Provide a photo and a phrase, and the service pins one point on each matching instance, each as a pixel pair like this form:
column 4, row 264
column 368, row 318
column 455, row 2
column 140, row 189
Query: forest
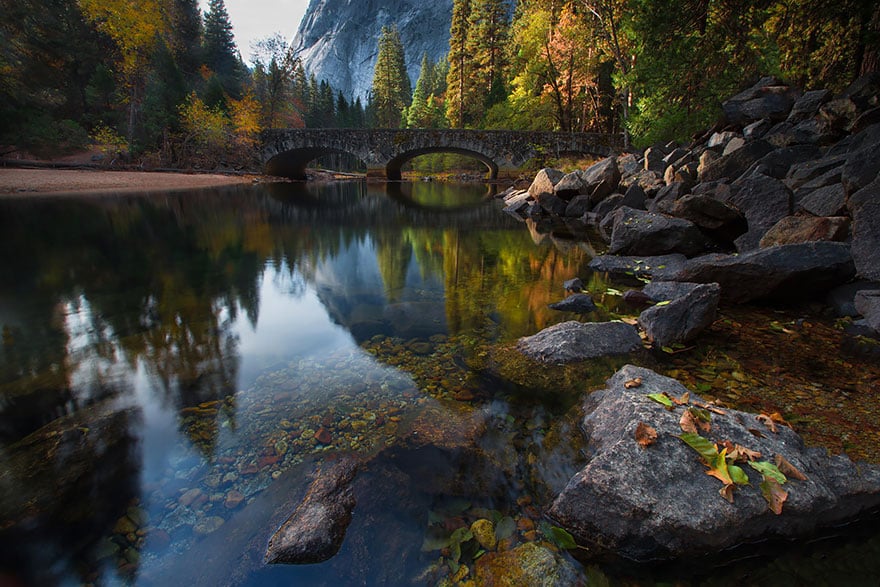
column 160, row 83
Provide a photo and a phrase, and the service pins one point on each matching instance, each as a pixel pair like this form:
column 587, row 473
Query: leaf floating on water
column 788, row 469
column 774, row 494
column 663, row 399
column 645, row 435
column 769, row 471
column 637, row 382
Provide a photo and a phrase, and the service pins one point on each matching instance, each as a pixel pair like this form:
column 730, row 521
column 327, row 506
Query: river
column 175, row 366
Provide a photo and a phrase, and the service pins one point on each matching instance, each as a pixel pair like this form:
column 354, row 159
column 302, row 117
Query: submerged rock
column 317, row 527
column 527, row 564
column 657, row 502
column 570, row 342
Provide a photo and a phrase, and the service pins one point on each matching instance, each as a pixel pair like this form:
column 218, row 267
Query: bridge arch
column 394, row 166
column 293, row 163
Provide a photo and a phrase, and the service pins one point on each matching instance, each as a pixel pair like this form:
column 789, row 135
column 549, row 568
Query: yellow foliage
column 133, row 25
column 245, row 115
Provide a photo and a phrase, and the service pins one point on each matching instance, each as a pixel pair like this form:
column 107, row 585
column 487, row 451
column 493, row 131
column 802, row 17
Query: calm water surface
column 174, row 367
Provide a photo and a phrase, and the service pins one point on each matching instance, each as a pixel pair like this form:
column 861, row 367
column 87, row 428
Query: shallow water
column 174, row 368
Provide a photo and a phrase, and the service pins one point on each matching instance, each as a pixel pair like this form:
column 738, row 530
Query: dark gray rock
column 807, row 106
column 719, row 220
column 629, row 165
column 609, row 204
column 570, row 342
column 766, row 99
column 634, row 197
column 315, row 530
column 553, row 205
column 581, row 303
column 544, row 182
column 842, row 298
column 689, row 311
column 803, row 229
column 574, row 285
column 735, row 164
column 655, row 267
column 864, row 89
column 666, row 197
column 777, row 162
column 763, row 200
column 867, row 303
column 569, row 186
column 645, row 233
column 601, row 179
column 785, row 272
column 654, row 159
column 666, row 291
column 658, row 502
column 865, row 207
column 578, row 206
column 801, row 173
column 719, row 140
column 861, row 168
column 757, row 129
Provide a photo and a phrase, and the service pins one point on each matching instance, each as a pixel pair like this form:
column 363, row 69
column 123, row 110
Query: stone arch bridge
column 286, row 153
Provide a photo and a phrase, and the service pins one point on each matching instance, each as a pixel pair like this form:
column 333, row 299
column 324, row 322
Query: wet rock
column 636, row 298
column 766, row 99
column 323, row 436
column 208, row 525
column 315, row 530
column 658, row 502
column 782, row 272
column 125, row 525
column 571, row 342
column 484, row 532
column 574, row 285
column 646, row 233
column 654, row 266
column 527, row 564
column 233, row 499
column 189, row 497
column 804, row 229
column 867, row 303
column 580, row 302
column 691, row 309
column 552, row 204
column 578, row 206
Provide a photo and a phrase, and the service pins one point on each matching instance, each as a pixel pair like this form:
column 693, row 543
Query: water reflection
column 200, row 345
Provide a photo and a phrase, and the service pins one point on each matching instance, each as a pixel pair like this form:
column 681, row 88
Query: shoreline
column 23, row 182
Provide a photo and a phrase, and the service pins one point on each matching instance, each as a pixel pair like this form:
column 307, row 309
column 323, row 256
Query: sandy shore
column 19, row 182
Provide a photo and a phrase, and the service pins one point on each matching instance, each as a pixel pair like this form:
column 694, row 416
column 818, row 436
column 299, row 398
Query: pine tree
column 391, row 90
column 457, row 80
column 220, row 53
column 416, row 112
column 186, row 36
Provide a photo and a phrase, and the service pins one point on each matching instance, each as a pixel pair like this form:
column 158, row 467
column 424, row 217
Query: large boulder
column 807, row 106
column 637, row 232
column 735, row 164
column 766, row 99
column 783, row 272
column 865, row 207
column 544, row 182
column 684, row 311
column 718, row 219
column 863, row 161
column 653, row 499
column 569, row 186
column 825, row 201
column 528, row 564
column 763, row 200
column 804, row 229
column 570, row 342
column 600, row 179
column 315, row 530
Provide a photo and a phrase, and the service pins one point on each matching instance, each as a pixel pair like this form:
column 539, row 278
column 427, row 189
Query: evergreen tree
column 457, row 79
column 220, row 53
column 391, row 90
column 487, row 39
column 186, row 36
column 428, row 108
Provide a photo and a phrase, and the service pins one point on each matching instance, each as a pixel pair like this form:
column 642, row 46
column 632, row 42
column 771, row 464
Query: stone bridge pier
column 287, row 153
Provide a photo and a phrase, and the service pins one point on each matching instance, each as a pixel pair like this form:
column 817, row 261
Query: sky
column 253, row 20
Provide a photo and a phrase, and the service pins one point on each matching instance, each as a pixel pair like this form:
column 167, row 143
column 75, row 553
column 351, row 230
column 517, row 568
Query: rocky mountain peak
column 337, row 40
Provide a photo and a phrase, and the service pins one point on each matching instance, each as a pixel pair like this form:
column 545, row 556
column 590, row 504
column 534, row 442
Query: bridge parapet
column 384, row 151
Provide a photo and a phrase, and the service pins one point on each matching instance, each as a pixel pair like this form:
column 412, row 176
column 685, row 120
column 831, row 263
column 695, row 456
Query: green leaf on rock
column 738, row 475
column 663, row 303
column 768, row 470
column 662, row 398
column 705, row 447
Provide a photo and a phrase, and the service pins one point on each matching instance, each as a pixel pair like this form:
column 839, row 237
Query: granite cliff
column 337, row 39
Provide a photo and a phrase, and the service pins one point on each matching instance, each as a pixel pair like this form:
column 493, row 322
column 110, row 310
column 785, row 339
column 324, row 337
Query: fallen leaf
column 756, row 432
column 630, row 321
column 683, row 400
column 777, row 417
column 741, row 453
column 663, row 399
column 637, row 382
column 788, row 469
column 767, row 421
column 768, row 470
column 687, row 423
column 727, row 492
column 774, row 494
column 645, row 435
